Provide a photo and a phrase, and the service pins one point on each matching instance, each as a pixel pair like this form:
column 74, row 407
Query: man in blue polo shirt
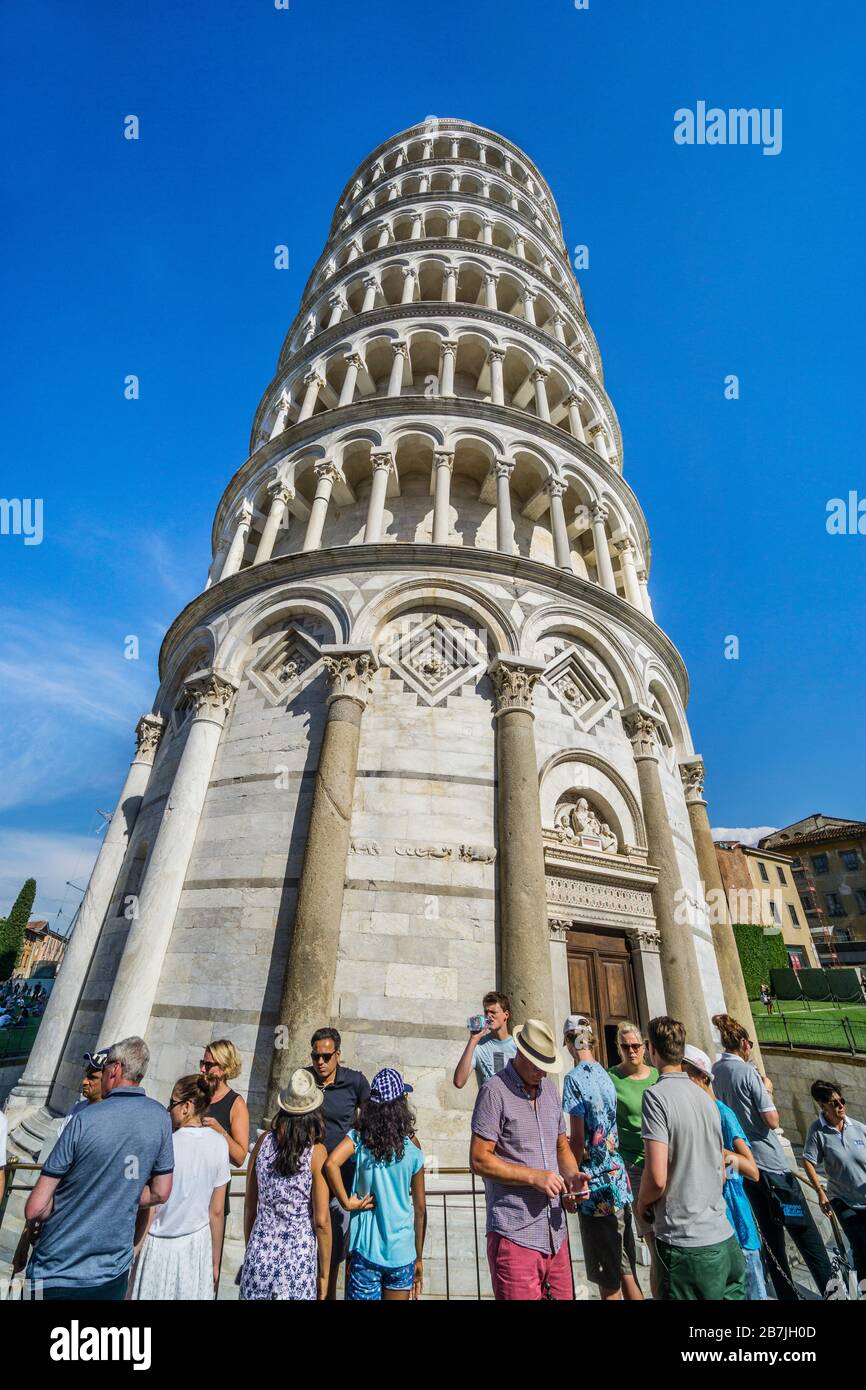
column 110, row 1161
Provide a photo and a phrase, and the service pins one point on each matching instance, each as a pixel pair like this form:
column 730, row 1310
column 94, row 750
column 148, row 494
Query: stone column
column 496, row 357
column 524, row 933
column 308, row 983
column 561, row 548
column 137, row 979
column 408, row 286
column 529, row 306
column 487, row 230
column 679, row 961
column 354, row 252
column 520, row 247
column 450, row 284
column 401, row 353
column 490, row 283
column 575, row 423
column 599, row 441
column 371, row 289
column 503, row 470
column 442, row 464
column 449, row 358
column 724, row 942
column 559, row 327
column 538, row 378
column 384, row 238
column 35, row 1084
column 424, row 183
column 218, row 563
column 354, row 363
column 327, row 475
column 645, row 945
column 453, row 224
column 382, row 465
column 234, row 559
column 281, row 495
column 629, row 571
column 281, row 415
column 338, row 308
column 417, row 226
column 314, row 384
column 644, row 594
column 603, row 565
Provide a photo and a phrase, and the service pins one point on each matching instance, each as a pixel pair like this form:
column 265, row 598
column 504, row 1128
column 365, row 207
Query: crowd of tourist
column 21, row 1002
column 666, row 1149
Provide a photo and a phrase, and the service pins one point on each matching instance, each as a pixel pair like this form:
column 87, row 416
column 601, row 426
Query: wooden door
column 601, row 985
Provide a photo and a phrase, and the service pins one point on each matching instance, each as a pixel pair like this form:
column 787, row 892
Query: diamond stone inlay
column 435, row 658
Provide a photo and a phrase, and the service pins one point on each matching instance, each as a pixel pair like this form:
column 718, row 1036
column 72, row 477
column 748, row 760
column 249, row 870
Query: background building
column 41, row 947
column 761, row 890
column 419, row 735
column 829, row 858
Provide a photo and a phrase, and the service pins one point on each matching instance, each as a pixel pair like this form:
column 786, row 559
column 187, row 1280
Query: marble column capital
column 539, row 374
column 371, row 282
column 443, row 458
column 400, row 347
column 514, row 680
column 645, row 939
column 641, row 725
column 692, row 773
column 624, row 545
column 280, row 491
column 503, row 468
column 555, row 487
column 600, row 512
column 314, row 379
column 326, row 470
column 211, row 694
column 148, row 732
column 381, row 459
column 596, row 429
column 559, row 928
column 496, row 354
column 354, row 359
column 491, row 277
column 409, row 272
column 573, row 398
column 350, row 672
column 337, row 298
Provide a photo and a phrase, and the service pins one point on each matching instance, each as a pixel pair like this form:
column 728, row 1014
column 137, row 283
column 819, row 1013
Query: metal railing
column 17, row 1175
column 831, row 1035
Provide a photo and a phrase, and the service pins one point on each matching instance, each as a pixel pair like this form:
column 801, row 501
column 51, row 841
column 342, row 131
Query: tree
column 13, row 927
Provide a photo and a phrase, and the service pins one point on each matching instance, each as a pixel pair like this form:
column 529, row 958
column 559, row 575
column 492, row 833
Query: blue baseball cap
column 387, row 1084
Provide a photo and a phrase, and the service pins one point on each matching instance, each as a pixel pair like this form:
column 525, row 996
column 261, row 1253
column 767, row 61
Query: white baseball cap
column 699, row 1060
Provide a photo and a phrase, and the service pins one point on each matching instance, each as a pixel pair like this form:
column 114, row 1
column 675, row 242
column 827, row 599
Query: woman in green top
column 631, row 1078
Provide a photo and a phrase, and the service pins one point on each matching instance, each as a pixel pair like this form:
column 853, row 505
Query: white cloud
column 750, row 835
column 69, row 700
column 51, row 860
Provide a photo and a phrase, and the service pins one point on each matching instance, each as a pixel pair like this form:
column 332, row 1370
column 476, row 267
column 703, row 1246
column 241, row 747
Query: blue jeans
column 756, row 1288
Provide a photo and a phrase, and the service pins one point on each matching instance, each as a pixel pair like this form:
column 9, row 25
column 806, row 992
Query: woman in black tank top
column 227, row 1112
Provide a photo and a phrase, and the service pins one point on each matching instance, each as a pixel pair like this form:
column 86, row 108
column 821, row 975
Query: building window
column 835, row 906
column 843, row 934
column 850, row 858
column 860, row 895
column 796, row 953
column 792, row 913
column 820, row 864
column 775, row 911
column 781, row 872
column 762, row 870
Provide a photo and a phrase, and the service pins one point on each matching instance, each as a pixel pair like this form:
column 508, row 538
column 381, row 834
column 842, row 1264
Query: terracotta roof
column 851, row 830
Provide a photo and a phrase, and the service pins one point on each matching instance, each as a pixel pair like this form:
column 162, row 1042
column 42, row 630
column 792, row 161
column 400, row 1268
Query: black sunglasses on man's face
column 322, row 1056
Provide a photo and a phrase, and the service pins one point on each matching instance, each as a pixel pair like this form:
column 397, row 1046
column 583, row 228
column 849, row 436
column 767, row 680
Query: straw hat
column 536, row 1042
column 301, row 1095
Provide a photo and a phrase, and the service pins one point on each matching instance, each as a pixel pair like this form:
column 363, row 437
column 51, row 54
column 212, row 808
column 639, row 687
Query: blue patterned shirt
column 588, row 1091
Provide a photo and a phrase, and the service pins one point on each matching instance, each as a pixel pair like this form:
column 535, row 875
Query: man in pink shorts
column 520, row 1149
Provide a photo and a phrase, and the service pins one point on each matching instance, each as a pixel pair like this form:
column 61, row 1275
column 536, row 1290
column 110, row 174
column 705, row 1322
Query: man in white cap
column 519, row 1147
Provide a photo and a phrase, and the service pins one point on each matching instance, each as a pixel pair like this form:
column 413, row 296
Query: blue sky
column 155, row 257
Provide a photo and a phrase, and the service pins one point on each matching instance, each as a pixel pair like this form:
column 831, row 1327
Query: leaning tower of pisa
column 419, row 735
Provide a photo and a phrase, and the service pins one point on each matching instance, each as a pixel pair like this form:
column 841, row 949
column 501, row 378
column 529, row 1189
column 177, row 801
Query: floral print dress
column 589, row 1091
column 282, row 1255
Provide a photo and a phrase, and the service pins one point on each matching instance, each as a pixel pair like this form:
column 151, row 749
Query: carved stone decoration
column 476, row 854
column 366, row 847
column 577, row 687
column 607, row 901
column 435, row 658
column 423, row 851
column 514, row 683
column 148, row 732
column 350, row 673
column 641, row 726
column 281, row 666
column 576, row 823
column 211, row 695
column 646, row 939
column 692, row 773
column 559, row 929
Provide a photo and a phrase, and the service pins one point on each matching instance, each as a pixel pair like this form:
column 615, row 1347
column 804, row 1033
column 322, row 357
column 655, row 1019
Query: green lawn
column 838, row 1027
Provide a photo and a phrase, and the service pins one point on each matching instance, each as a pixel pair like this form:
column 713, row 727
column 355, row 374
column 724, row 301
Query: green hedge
column 761, row 950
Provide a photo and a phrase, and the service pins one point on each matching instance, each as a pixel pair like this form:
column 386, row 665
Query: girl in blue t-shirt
column 387, row 1204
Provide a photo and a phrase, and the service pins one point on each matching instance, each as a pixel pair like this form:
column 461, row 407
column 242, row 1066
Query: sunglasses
column 631, row 1047
column 206, row 1066
column 837, row 1104
column 322, row 1056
